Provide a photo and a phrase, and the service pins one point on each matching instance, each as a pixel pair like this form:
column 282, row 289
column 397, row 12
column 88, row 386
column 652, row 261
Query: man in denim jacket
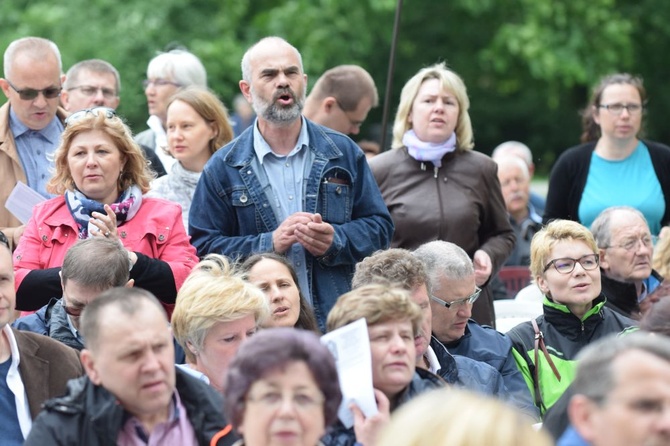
column 290, row 186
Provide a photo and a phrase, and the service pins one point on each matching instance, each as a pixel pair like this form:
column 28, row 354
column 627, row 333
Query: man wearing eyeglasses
column 453, row 291
column 33, row 368
column 91, row 83
column 626, row 247
column 96, row 83
column 342, row 98
column 30, row 121
column 90, row 267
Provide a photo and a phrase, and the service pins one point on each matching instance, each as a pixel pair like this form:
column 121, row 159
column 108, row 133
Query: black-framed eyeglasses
column 648, row 241
column 460, row 302
column 90, row 90
column 353, row 122
column 3, row 239
column 158, row 83
column 566, row 265
column 95, row 111
column 72, row 311
column 618, row 108
column 29, row 94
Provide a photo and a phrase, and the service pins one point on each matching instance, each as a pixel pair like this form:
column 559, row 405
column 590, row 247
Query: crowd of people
column 172, row 285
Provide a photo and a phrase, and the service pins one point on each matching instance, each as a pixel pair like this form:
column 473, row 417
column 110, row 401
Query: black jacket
column 422, row 381
column 622, row 296
column 90, row 415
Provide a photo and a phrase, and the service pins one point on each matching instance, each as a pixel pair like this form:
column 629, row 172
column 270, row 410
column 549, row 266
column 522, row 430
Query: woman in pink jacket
column 101, row 175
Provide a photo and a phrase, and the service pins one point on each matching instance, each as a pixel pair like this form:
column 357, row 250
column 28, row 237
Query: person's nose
column 99, row 98
column 91, row 159
column 287, row 407
column 40, row 100
column 151, row 362
column 275, row 294
column 398, row 345
column 355, row 129
column 465, row 310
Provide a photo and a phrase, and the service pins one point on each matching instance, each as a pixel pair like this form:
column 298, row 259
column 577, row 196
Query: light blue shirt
column 286, row 177
column 628, row 182
column 36, row 150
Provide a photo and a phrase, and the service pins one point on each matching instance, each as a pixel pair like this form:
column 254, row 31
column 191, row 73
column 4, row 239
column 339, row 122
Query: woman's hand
column 106, row 223
column 483, row 267
column 367, row 429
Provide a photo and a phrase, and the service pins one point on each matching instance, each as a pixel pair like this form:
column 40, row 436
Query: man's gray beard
column 275, row 113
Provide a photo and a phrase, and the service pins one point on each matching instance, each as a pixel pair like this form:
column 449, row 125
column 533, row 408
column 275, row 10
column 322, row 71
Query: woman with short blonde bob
column 564, row 264
column 101, row 176
column 452, row 417
column 436, row 187
column 215, row 312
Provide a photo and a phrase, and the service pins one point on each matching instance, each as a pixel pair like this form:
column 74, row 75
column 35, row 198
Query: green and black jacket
column 564, row 336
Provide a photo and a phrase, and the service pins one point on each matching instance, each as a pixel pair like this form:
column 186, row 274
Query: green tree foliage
column 528, row 64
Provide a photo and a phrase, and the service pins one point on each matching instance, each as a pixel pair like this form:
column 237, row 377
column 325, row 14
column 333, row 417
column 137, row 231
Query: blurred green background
column 529, row 64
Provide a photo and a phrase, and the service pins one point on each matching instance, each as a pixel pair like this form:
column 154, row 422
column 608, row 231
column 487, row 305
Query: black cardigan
column 569, row 174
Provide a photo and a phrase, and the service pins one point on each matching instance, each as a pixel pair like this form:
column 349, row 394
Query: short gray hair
column 444, row 259
column 595, row 374
column 246, row 59
column 96, row 263
column 37, row 47
column 508, row 147
column 95, row 66
column 601, row 228
column 181, row 66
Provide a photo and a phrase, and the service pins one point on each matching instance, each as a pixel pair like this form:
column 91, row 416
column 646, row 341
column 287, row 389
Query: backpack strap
column 539, row 345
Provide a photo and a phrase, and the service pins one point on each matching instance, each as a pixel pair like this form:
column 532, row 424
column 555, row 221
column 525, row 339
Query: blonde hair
column 377, row 303
column 452, row 417
column 661, row 262
column 212, row 293
column 556, row 231
column 206, row 104
column 449, row 81
column 135, row 170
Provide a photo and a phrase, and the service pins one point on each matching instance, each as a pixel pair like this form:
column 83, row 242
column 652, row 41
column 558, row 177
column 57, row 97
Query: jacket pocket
column 335, row 196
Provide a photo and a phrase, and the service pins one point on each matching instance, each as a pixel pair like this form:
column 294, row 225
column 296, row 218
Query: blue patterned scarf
column 82, row 207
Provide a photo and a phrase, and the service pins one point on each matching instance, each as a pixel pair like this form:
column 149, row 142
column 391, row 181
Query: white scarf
column 428, row 151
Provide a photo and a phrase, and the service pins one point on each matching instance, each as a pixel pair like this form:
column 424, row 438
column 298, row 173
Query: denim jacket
column 231, row 214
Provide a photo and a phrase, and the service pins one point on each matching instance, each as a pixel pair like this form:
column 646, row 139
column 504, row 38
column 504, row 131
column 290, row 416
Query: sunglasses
column 29, row 94
column 95, row 111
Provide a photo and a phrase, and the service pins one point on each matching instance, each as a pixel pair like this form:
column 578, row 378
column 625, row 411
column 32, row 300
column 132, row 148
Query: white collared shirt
column 15, row 384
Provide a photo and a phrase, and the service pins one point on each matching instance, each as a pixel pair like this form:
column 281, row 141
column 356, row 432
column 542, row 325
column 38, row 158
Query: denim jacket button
column 243, row 198
column 338, row 190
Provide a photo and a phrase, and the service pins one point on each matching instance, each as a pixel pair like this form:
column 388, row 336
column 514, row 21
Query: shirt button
column 290, row 197
column 288, row 164
column 123, row 234
column 161, row 238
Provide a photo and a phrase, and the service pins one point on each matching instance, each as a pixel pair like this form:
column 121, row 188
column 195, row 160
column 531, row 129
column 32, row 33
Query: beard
column 276, row 113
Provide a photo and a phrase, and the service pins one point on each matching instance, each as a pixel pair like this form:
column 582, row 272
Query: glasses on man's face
column 29, row 94
column 158, row 83
column 455, row 304
column 352, row 122
column 273, row 399
column 629, row 244
column 89, row 90
column 3, row 239
column 74, row 310
column 566, row 265
column 95, row 111
column 617, row 108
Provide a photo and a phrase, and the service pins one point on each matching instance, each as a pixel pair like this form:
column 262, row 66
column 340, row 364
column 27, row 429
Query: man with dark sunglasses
column 33, row 368
column 31, row 121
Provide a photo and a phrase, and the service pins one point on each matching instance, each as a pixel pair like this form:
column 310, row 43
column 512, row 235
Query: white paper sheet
column 350, row 346
column 22, row 200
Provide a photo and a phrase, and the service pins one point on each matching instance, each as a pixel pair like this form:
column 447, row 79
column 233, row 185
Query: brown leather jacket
column 459, row 202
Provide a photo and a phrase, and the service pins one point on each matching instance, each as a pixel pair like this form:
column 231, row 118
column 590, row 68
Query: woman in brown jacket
column 436, row 187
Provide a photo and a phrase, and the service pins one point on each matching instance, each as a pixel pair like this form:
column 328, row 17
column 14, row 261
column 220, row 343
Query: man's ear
column 542, row 285
column 88, row 361
column 65, row 99
column 5, row 86
column 329, row 103
column 130, row 283
column 582, row 413
column 604, row 261
column 245, row 88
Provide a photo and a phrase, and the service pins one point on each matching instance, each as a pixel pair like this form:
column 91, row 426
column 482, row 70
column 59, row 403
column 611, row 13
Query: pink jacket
column 156, row 231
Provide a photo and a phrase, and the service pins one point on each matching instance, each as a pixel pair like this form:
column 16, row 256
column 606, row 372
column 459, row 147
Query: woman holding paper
column 282, row 388
column 100, row 177
column 393, row 321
